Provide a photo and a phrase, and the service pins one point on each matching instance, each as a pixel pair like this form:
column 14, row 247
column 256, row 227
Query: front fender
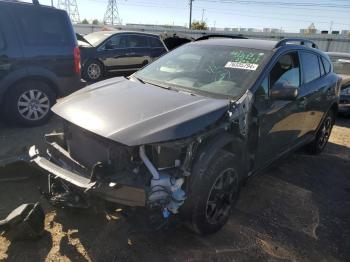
column 221, row 141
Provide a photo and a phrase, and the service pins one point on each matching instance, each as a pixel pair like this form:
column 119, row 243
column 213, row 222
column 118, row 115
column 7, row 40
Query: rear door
column 311, row 98
column 157, row 47
column 138, row 50
column 10, row 50
column 280, row 121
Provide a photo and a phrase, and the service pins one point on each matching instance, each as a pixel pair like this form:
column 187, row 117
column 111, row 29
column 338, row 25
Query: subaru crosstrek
column 181, row 136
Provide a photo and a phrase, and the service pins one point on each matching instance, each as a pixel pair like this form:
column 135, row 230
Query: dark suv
column 122, row 51
column 39, row 60
column 184, row 133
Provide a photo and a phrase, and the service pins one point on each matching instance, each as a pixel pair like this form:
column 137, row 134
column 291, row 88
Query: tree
column 199, row 25
column 95, row 22
column 86, row 22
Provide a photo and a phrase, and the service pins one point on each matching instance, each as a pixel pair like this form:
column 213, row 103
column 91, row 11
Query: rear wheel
column 213, row 194
column 28, row 103
column 323, row 134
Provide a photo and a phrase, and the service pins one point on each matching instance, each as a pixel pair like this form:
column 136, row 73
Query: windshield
column 97, row 38
column 223, row 71
column 341, row 65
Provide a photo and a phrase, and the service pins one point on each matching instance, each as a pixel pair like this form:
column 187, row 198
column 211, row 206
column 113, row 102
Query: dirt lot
column 298, row 210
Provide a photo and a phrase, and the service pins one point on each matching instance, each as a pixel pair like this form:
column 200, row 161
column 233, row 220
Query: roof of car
column 112, row 32
column 347, row 55
column 16, row 2
column 246, row 43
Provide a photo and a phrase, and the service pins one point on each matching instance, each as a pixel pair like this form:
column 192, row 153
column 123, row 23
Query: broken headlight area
column 83, row 166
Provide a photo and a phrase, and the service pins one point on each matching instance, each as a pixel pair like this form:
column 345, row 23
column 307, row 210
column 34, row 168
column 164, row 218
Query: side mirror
column 109, row 46
column 284, row 92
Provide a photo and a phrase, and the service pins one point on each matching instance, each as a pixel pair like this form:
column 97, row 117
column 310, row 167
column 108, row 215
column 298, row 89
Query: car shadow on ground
column 297, row 210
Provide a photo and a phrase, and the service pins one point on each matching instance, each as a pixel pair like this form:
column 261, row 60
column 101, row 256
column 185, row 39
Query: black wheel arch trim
column 208, row 150
column 32, row 73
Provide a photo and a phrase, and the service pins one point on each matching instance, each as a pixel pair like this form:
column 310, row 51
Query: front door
column 113, row 52
column 280, row 121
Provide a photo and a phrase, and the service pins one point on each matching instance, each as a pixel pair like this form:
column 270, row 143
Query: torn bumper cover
column 61, row 165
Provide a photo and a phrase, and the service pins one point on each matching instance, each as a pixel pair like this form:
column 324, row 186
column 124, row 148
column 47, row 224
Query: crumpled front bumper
column 61, row 165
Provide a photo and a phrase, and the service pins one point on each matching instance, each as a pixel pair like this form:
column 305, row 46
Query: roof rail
column 206, row 37
column 302, row 41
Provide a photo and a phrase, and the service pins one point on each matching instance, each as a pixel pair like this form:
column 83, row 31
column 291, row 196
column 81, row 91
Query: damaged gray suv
column 182, row 135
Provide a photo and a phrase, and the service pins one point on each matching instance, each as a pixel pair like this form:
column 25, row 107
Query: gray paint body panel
column 133, row 113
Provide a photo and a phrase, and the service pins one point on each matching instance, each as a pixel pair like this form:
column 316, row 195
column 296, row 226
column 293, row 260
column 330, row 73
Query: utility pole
column 52, row 3
column 331, row 27
column 203, row 10
column 190, row 24
column 112, row 14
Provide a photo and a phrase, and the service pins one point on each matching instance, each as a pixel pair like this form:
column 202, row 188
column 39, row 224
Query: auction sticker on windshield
column 239, row 65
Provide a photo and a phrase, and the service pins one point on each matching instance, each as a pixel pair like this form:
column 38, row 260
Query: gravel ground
column 298, row 210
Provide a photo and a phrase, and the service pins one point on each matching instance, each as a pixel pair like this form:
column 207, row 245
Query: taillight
column 77, row 65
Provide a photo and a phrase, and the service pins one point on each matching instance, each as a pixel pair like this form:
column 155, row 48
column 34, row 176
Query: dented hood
column 133, row 113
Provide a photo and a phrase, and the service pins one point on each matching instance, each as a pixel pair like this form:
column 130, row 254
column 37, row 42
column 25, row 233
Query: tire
column 28, row 103
column 201, row 212
column 93, row 71
column 323, row 134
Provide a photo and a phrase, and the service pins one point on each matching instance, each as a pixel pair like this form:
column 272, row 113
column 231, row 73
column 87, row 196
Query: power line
column 289, row 4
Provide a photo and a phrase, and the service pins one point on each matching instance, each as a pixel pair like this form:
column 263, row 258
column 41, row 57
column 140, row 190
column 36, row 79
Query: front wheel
column 93, row 71
column 323, row 134
column 213, row 194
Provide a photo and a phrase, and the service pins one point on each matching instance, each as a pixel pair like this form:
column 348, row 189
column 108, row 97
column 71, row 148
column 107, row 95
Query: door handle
column 129, row 54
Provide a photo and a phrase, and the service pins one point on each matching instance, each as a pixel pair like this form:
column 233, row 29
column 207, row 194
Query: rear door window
column 135, row 41
column 311, row 67
column 42, row 26
column 327, row 65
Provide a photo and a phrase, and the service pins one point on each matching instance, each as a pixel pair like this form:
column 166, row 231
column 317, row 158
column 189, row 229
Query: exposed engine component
column 165, row 190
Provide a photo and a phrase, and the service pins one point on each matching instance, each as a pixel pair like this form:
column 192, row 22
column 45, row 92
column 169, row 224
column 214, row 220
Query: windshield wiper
column 138, row 79
column 159, row 85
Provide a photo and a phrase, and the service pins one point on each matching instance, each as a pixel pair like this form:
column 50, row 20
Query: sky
column 281, row 14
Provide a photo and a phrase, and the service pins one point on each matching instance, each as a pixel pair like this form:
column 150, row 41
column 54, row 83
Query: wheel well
column 32, row 78
column 98, row 61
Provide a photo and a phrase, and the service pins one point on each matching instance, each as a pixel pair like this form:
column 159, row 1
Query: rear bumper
column 68, row 85
column 62, row 166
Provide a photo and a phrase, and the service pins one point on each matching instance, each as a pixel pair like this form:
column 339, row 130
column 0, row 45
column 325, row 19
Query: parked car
column 341, row 64
column 122, row 51
column 39, row 60
column 181, row 135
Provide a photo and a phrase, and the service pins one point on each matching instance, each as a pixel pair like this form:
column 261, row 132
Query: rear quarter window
column 327, row 65
column 43, row 27
column 311, row 67
column 155, row 42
